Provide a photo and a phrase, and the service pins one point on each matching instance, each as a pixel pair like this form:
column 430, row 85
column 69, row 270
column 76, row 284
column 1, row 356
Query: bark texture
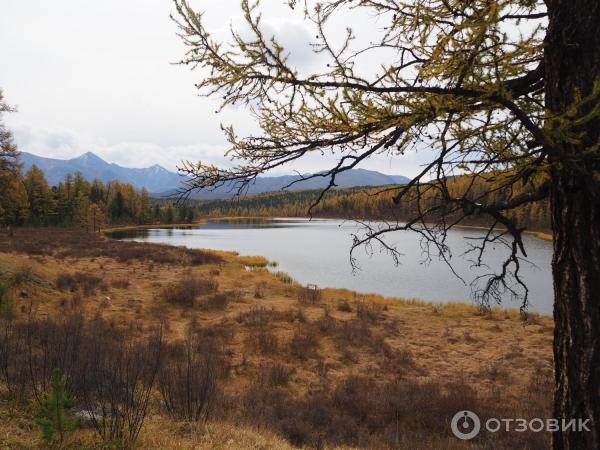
column 572, row 65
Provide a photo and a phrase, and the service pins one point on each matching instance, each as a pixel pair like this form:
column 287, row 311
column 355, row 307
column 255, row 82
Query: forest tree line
column 28, row 199
column 375, row 203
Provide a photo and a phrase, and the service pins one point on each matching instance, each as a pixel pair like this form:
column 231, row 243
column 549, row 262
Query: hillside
column 349, row 179
column 154, row 179
column 364, row 203
column 163, row 183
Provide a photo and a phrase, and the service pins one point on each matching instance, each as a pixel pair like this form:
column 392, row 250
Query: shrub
column 217, row 334
column 215, row 302
column 79, row 281
column 369, row 311
column 259, row 290
column 264, row 342
column 120, row 283
column 353, row 332
column 304, row 344
column 309, row 294
column 257, row 316
column 344, row 306
column 71, row 242
column 185, row 291
column 188, row 379
column 66, row 282
column 327, row 323
column 116, row 381
column 22, row 276
column 275, row 375
column 110, row 375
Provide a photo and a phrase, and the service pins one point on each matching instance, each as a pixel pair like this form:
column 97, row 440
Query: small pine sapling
column 53, row 421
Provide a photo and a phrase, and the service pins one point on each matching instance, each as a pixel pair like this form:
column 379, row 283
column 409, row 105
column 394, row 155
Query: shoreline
column 382, row 298
column 262, row 322
column 543, row 235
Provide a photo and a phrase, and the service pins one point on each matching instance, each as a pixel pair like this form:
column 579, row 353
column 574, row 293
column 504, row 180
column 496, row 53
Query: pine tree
column 169, row 214
column 145, row 212
column 40, row 196
column 117, row 207
column 53, row 420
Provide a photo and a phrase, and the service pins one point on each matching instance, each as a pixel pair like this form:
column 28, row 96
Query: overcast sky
column 98, row 76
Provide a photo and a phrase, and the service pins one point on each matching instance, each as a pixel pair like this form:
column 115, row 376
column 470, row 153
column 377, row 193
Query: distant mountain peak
column 157, row 168
column 160, row 181
column 91, row 166
column 88, row 156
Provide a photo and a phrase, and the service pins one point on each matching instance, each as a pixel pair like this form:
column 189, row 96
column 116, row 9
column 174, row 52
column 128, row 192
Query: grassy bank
column 313, row 368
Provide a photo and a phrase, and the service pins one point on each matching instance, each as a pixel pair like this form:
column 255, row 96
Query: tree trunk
column 572, row 65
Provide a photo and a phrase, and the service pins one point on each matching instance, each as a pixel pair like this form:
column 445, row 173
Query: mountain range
column 162, row 182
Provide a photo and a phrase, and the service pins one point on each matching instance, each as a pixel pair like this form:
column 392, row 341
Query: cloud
column 295, row 36
column 64, row 143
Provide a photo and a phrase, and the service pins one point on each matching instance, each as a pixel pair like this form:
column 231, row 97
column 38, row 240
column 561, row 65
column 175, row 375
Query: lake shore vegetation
column 216, row 350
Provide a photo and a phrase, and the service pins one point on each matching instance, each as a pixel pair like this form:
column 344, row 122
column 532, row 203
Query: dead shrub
column 65, row 281
column 257, row 316
column 216, row 334
column 73, row 242
column 22, row 276
column 304, row 343
column 85, row 282
column 344, row 306
column 110, row 375
column 291, row 315
column 188, row 378
column 309, row 294
column 398, row 359
column 120, row 283
column 116, row 382
column 259, row 290
column 184, row 291
column 215, row 302
column 370, row 311
column 275, row 375
column 353, row 333
column 326, row 324
column 264, row 342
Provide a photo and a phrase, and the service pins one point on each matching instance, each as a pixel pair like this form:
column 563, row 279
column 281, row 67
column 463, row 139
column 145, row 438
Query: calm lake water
column 317, row 252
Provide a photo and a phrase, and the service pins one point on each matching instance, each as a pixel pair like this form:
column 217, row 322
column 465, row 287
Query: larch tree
column 9, row 154
column 505, row 91
column 13, row 197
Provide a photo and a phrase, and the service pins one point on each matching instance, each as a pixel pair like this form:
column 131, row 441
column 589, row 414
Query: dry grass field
column 296, row 366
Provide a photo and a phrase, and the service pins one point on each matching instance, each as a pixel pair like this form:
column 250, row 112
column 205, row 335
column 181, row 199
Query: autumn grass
column 253, row 261
column 289, row 347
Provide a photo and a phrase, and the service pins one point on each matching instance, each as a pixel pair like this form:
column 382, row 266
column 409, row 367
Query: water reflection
column 318, row 252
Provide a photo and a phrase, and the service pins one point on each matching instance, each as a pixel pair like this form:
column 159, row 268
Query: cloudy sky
column 99, row 76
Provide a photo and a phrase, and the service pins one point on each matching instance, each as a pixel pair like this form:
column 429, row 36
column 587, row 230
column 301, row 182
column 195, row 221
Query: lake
column 317, row 252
